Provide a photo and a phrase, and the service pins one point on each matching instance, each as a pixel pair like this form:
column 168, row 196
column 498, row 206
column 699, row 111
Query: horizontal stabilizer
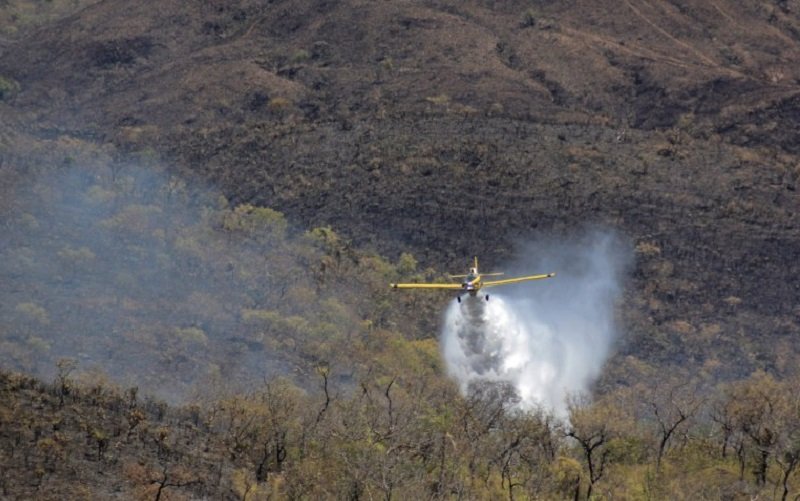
column 481, row 274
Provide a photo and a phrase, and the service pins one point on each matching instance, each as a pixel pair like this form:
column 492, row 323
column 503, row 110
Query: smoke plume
column 137, row 275
column 548, row 339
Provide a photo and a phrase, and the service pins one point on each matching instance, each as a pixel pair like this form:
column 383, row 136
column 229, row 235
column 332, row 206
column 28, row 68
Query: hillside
column 673, row 124
column 199, row 197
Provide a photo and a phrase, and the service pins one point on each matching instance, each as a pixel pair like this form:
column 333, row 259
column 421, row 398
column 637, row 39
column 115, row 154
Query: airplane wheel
column 458, row 298
column 487, row 297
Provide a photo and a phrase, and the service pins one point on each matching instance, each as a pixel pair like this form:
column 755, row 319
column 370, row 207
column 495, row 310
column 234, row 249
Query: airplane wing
column 425, row 286
column 518, row 279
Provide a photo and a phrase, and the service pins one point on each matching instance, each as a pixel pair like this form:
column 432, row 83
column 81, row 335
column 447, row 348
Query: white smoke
column 548, row 339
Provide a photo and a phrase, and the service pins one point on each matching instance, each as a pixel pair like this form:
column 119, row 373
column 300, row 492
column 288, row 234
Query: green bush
column 8, row 88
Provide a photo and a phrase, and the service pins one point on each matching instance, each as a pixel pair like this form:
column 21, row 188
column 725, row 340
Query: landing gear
column 487, row 297
column 458, row 298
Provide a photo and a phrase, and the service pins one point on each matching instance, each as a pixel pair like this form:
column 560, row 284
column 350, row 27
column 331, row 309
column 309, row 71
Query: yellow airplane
column 472, row 282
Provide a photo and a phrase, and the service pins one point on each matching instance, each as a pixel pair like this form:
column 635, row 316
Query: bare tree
column 593, row 426
column 672, row 406
column 787, row 445
column 176, row 477
column 757, row 405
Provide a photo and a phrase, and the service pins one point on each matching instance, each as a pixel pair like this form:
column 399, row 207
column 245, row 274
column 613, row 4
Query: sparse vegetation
column 529, row 18
column 355, row 145
column 8, row 88
column 405, row 435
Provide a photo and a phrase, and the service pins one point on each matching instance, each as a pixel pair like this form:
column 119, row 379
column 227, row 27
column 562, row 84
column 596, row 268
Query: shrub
column 300, row 55
column 8, row 88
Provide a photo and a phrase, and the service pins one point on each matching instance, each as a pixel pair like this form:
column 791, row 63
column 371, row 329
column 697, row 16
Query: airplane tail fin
column 486, row 274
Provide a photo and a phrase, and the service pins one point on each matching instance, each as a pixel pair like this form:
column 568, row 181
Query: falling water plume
column 548, row 339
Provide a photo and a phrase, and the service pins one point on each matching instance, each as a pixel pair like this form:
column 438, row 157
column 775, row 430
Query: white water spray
column 549, row 339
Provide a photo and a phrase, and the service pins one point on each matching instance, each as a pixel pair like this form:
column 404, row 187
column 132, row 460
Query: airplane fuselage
column 472, row 284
